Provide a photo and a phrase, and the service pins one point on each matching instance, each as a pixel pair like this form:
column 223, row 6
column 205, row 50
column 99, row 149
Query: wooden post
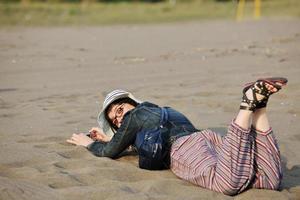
column 240, row 10
column 241, row 6
column 257, row 6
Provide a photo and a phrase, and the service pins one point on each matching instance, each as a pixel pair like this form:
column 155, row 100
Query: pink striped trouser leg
column 267, row 161
column 224, row 165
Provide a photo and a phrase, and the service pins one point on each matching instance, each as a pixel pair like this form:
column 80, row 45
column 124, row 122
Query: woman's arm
column 122, row 139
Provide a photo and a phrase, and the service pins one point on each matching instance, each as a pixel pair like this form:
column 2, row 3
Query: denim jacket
column 144, row 116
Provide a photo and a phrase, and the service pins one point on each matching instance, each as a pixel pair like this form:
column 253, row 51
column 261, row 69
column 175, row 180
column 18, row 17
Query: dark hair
column 118, row 102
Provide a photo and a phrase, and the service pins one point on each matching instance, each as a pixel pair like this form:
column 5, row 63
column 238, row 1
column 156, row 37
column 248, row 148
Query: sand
column 53, row 80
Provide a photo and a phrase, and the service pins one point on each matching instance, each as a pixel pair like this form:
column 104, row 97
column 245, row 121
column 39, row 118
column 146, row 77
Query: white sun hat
column 110, row 98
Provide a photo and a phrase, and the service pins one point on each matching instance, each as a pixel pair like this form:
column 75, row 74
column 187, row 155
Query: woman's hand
column 80, row 139
column 97, row 134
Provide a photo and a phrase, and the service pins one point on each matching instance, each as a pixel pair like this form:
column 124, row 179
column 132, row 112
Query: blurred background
column 105, row 12
column 59, row 58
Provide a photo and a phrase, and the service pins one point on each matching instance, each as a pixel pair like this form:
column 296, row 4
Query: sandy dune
column 53, row 80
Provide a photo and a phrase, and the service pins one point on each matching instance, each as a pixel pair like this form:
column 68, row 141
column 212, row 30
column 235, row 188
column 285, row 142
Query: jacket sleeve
column 123, row 138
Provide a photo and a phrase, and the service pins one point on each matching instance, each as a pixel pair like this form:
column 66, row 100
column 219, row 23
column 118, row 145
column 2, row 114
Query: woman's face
column 116, row 112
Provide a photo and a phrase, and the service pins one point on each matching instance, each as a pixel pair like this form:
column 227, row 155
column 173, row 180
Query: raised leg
column 267, row 156
column 260, row 120
column 245, row 156
column 229, row 165
column 243, row 119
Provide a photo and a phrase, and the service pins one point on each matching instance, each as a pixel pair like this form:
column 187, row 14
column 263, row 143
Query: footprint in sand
column 64, row 180
column 76, row 152
column 19, row 189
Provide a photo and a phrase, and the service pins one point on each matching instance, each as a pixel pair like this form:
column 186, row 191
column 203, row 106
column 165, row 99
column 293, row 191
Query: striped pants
column 242, row 159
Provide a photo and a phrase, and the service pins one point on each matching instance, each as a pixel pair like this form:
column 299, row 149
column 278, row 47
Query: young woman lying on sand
column 247, row 157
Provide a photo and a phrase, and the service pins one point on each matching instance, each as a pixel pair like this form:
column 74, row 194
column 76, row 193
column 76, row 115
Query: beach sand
column 54, row 79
